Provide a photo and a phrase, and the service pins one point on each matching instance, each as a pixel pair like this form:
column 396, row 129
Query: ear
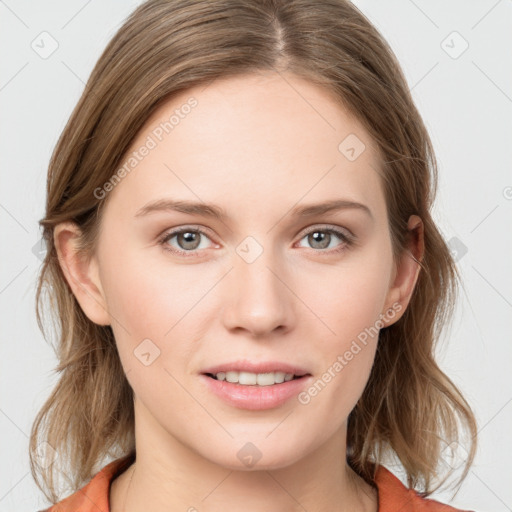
column 406, row 273
column 81, row 273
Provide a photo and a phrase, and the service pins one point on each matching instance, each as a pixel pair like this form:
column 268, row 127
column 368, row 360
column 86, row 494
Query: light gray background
column 466, row 101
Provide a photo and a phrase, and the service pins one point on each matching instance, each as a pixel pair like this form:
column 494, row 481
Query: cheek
column 349, row 302
column 160, row 302
column 146, row 293
column 152, row 329
column 350, row 297
column 140, row 301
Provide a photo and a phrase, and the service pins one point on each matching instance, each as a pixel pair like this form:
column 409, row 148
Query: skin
column 258, row 146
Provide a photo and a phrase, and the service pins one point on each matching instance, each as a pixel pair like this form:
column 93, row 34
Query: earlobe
column 407, row 271
column 81, row 274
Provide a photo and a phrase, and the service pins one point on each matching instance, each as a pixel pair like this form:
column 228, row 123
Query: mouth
column 255, row 391
column 255, row 379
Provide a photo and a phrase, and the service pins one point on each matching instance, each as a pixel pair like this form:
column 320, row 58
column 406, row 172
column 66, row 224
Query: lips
column 244, row 365
column 255, row 398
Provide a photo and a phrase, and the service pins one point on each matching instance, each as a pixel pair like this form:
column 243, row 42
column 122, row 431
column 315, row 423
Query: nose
column 257, row 297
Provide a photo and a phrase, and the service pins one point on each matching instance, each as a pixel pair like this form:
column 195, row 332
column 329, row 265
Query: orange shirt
column 393, row 495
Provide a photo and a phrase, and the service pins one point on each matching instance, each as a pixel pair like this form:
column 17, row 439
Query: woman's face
column 258, row 281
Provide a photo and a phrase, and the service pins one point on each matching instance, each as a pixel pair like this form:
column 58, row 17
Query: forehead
column 249, row 140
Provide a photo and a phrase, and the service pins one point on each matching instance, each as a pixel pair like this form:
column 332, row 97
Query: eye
column 187, row 238
column 319, row 240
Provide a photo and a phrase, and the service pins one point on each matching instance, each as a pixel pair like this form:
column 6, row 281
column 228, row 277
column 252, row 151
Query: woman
column 246, row 273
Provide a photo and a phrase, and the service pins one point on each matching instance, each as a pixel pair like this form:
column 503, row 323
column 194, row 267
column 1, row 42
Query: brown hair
column 409, row 407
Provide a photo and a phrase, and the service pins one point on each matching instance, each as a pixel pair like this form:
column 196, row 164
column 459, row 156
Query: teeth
column 252, row 379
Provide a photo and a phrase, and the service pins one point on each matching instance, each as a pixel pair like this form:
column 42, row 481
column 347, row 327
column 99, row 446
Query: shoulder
column 393, row 495
column 94, row 496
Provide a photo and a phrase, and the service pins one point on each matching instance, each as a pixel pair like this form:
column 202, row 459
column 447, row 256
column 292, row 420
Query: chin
column 250, row 456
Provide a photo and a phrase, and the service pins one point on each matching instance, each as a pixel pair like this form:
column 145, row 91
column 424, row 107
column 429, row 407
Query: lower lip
column 256, row 398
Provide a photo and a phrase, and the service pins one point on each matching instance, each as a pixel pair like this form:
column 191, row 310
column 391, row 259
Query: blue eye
column 189, row 239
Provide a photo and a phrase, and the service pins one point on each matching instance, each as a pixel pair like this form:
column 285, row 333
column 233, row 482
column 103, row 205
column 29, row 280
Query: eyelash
column 349, row 240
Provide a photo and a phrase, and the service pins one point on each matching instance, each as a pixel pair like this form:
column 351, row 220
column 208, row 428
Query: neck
column 168, row 475
column 156, row 485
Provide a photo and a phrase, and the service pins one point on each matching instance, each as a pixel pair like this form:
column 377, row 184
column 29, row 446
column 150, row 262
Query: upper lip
column 243, row 365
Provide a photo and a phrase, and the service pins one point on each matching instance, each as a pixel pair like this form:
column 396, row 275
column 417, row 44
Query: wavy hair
column 410, row 408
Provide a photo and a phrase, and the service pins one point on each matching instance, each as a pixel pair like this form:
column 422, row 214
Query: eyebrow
column 216, row 212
